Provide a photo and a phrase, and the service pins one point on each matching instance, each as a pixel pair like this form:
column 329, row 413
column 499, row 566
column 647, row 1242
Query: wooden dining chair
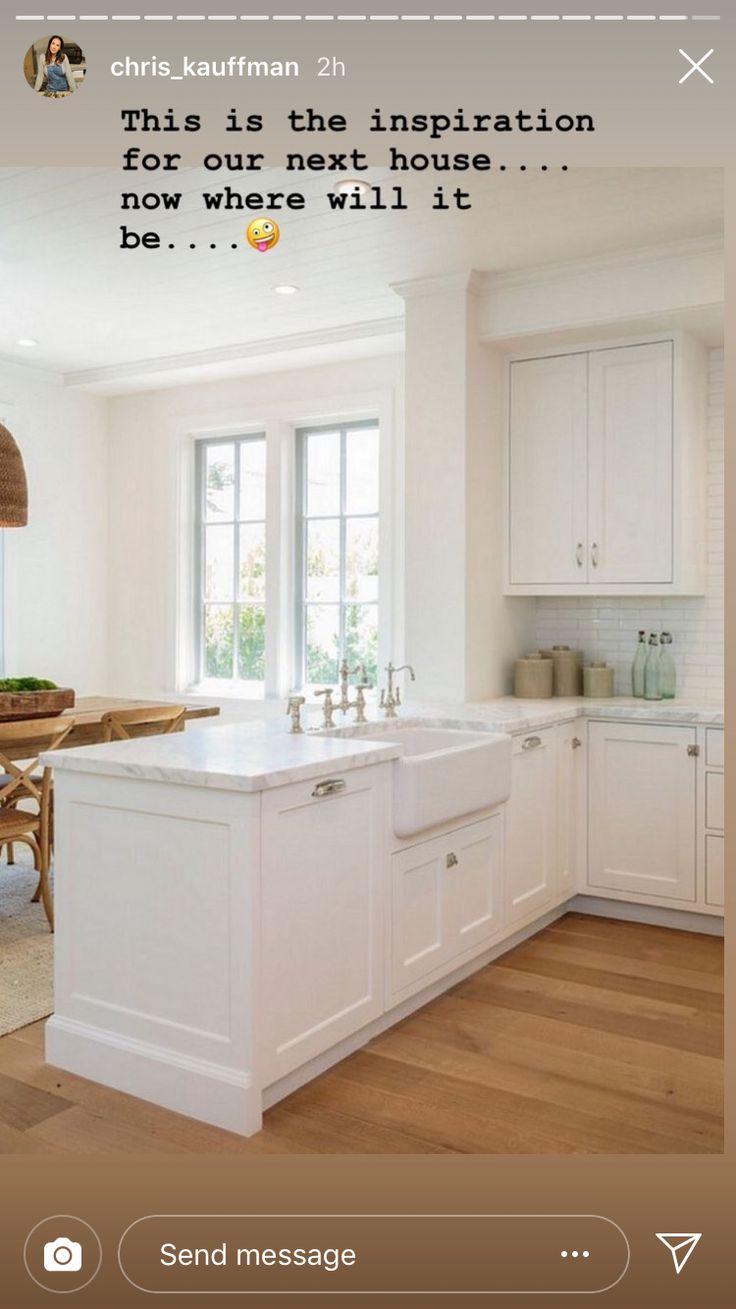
column 157, row 720
column 21, row 743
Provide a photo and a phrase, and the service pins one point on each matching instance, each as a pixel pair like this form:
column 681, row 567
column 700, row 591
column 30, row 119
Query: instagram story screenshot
column 365, row 615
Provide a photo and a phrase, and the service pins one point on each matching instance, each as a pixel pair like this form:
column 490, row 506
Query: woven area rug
column 26, row 950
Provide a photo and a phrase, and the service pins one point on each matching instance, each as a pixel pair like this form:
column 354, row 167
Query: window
column 231, row 558
column 337, row 542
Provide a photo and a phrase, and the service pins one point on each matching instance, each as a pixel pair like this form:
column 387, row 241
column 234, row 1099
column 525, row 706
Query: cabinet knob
column 576, row 743
column 693, row 750
column 451, row 860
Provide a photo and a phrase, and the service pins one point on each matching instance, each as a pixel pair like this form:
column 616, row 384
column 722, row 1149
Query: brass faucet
column 390, row 699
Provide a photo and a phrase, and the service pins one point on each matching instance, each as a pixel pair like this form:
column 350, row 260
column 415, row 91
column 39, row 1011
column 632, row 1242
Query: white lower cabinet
column 446, row 897
column 572, row 806
column 712, row 819
column 323, row 871
column 532, row 856
column 642, row 810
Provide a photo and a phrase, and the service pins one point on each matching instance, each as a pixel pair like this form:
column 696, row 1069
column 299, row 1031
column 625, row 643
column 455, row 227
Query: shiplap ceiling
column 90, row 305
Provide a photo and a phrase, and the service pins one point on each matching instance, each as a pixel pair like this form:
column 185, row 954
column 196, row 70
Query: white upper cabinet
column 547, row 463
column 605, row 471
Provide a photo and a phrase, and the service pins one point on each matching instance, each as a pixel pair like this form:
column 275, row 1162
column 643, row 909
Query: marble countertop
column 230, row 757
column 509, row 714
column 256, row 756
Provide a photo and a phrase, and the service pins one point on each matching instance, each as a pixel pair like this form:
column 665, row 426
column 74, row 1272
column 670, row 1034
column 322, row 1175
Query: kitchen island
column 235, row 910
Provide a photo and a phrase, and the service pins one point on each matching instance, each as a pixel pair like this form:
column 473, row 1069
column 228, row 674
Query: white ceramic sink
column 445, row 774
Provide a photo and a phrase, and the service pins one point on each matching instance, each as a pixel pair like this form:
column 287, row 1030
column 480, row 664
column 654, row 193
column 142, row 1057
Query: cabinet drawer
column 714, row 864
column 714, row 801
column 714, row 747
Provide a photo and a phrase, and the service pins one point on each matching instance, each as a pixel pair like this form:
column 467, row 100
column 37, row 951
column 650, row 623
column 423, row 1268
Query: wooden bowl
column 17, row 705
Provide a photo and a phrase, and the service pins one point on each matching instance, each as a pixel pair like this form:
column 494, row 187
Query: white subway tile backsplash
column 606, row 628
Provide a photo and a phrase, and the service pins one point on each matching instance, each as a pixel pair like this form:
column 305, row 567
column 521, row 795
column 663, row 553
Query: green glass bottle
column 667, row 676
column 637, row 668
column 652, row 688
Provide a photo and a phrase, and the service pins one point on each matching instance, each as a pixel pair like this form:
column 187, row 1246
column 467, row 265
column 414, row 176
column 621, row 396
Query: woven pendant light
column 13, row 485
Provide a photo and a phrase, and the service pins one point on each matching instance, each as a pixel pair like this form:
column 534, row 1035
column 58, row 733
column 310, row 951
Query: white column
column 461, row 633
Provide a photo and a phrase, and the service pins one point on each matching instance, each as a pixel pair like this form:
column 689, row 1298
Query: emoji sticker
column 263, row 234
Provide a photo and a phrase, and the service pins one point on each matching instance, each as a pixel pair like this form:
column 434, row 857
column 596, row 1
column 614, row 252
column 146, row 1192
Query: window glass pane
column 252, row 643
column 361, row 638
column 218, row 641
column 361, row 564
column 361, row 480
column 323, row 473
column 218, row 563
column 219, row 494
column 323, row 643
column 323, row 560
column 252, row 562
column 253, row 479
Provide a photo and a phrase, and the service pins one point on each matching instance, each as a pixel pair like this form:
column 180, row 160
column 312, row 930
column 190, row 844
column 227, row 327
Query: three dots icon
column 575, row 1254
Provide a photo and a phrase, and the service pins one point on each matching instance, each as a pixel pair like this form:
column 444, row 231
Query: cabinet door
column 571, row 806
column 321, row 956
column 446, row 902
column 473, row 885
column 419, row 935
column 630, row 463
column 531, row 826
column 642, row 784
column 547, row 470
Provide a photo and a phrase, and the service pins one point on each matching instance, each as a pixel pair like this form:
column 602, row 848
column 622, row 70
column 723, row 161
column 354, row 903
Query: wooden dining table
column 89, row 709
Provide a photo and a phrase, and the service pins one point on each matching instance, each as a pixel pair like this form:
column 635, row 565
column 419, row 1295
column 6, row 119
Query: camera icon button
column 62, row 1253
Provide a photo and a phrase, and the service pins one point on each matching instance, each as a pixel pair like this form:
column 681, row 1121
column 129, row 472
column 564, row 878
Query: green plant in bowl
column 14, row 684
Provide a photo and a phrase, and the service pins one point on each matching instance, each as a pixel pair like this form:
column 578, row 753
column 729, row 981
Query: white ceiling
column 90, row 305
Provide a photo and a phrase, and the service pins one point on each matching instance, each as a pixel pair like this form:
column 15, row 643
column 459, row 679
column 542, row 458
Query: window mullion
column 343, row 540
column 236, row 560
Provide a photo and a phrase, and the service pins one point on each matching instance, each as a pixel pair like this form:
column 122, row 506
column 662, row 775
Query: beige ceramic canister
column 598, row 681
column 568, row 669
column 533, row 677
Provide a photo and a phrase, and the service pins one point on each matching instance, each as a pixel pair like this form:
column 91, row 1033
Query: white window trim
column 280, row 422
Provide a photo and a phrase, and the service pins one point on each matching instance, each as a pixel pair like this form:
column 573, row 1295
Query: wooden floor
column 593, row 1037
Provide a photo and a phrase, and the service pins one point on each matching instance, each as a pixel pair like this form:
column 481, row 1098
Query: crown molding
column 466, row 281
column 649, row 254
column 232, row 354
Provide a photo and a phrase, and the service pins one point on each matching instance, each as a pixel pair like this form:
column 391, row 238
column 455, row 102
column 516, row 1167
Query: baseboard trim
column 682, row 920
column 198, row 1088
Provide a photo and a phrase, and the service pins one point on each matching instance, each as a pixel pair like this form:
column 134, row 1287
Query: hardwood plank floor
column 594, row 1036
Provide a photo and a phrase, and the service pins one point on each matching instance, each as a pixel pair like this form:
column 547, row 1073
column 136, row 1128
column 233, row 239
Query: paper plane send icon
column 680, row 1246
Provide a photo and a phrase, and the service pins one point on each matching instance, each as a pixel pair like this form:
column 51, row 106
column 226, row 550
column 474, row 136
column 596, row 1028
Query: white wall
column 56, row 584
column 606, row 628
column 149, row 436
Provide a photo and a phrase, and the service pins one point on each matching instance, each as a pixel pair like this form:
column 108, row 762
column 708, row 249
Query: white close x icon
column 696, row 67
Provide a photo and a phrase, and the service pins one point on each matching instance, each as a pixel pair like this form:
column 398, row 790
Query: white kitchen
column 416, row 549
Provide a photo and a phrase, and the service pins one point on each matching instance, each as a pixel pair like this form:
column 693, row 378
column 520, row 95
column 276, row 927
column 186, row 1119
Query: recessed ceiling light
column 351, row 186
column 286, row 289
column 27, row 341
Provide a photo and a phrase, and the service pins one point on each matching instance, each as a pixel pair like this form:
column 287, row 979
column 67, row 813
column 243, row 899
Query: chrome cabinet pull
column 576, row 743
column 329, row 787
column 580, row 554
column 693, row 750
column 594, row 554
column 531, row 742
column 451, row 860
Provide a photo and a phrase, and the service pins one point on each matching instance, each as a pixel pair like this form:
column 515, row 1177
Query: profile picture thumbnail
column 55, row 67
